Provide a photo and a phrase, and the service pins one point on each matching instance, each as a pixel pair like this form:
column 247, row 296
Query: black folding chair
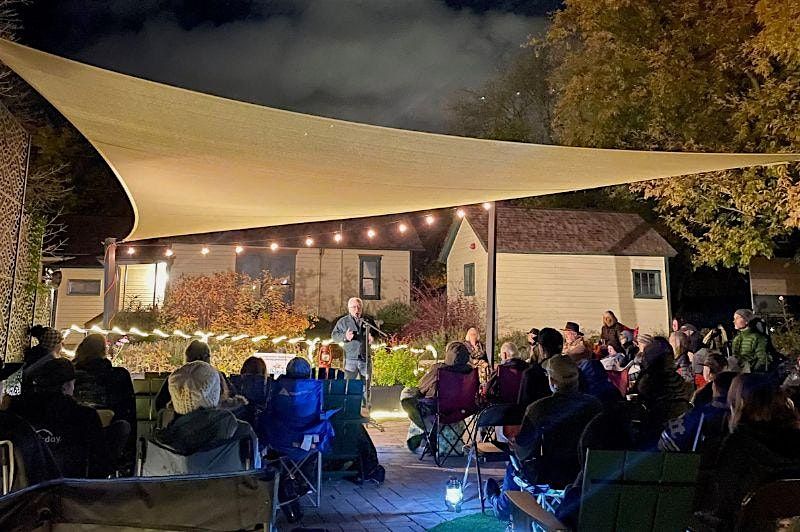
column 456, row 402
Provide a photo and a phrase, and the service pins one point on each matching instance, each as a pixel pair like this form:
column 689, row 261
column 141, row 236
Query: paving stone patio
column 411, row 498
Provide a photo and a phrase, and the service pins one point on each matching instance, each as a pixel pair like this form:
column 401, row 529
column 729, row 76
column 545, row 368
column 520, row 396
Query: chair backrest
column 509, row 381
column 234, row 455
column 495, row 415
column 763, row 508
column 631, row 490
column 457, row 395
column 619, row 379
column 165, row 503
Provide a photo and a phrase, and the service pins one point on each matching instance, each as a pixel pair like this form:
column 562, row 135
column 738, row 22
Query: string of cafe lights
column 338, row 236
column 205, row 336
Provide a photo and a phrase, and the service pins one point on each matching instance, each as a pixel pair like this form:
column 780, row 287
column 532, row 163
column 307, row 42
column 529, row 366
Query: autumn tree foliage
column 231, row 302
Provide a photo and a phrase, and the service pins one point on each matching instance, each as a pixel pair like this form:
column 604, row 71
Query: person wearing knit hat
column 48, row 347
column 198, row 423
column 550, row 432
column 73, row 432
column 750, row 346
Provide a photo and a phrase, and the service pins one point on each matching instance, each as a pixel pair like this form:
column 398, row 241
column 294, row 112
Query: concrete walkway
column 411, row 499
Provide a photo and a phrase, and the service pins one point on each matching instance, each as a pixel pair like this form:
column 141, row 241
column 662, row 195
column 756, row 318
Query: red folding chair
column 456, row 402
column 619, row 378
column 509, row 381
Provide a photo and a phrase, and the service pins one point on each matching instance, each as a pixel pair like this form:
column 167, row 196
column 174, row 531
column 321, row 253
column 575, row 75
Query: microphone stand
column 367, row 326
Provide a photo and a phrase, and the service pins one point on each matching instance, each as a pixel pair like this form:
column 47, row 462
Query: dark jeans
column 501, row 503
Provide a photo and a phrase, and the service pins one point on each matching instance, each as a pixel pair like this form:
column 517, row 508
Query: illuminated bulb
column 371, row 233
column 402, row 228
column 238, row 249
column 131, row 250
column 309, row 241
column 337, row 237
column 169, row 252
column 429, row 219
column 487, row 205
column 273, row 246
column 205, row 250
column 460, row 213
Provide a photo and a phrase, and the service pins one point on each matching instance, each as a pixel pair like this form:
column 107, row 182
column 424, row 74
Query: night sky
column 387, row 62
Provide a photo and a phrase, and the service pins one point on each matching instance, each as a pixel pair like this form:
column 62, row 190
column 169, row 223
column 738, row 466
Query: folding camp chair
column 487, row 451
column 456, row 402
column 622, row 490
column 509, row 381
column 619, row 378
column 158, row 460
column 296, row 428
column 769, row 504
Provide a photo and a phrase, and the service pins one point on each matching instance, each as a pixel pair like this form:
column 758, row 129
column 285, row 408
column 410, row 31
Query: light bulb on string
column 371, row 233
column 274, row 246
column 131, row 250
column 487, row 205
column 429, row 219
column 169, row 252
column 238, row 249
column 337, row 237
column 309, row 241
column 460, row 213
column 205, row 250
column 402, row 228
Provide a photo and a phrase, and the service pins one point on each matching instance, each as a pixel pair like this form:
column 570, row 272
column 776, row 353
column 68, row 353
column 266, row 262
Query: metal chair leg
column 319, row 477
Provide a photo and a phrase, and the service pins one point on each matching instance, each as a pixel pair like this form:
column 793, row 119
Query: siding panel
column 77, row 309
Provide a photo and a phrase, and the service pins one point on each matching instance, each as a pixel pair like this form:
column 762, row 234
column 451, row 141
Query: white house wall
column 466, row 249
column 77, row 309
column 187, row 260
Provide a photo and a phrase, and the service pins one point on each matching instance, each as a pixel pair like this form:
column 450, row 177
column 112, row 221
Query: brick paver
column 411, row 499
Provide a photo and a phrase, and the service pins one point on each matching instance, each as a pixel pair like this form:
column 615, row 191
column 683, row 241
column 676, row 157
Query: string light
column 205, row 250
column 273, row 246
column 159, row 332
column 131, row 250
column 337, row 237
column 309, row 241
column 278, row 340
column 371, row 233
column 169, row 252
column 487, row 205
column 402, row 228
column 429, row 219
column 460, row 213
column 238, row 249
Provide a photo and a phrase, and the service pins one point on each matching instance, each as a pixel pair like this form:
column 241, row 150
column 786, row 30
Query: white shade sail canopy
column 195, row 163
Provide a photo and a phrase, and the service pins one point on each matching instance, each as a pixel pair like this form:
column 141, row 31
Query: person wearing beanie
column 73, row 432
column 534, row 384
column 48, row 346
column 750, row 346
column 547, row 444
column 198, row 424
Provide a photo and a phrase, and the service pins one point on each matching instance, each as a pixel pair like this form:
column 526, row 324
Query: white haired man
column 350, row 330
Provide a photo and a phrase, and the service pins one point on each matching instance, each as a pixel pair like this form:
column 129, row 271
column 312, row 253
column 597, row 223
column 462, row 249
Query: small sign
column 276, row 362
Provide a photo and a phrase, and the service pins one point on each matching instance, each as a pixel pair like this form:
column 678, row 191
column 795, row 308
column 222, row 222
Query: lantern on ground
column 454, row 495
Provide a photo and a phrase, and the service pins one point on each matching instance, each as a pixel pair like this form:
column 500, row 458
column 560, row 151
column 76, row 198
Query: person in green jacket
column 750, row 345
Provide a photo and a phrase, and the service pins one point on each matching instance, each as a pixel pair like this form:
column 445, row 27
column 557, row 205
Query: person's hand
column 371, row 339
column 349, row 335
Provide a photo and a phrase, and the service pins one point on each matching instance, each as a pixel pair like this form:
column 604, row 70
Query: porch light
column 453, row 495
column 429, row 219
column 460, row 213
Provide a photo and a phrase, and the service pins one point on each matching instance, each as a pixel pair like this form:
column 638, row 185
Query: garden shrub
column 395, row 316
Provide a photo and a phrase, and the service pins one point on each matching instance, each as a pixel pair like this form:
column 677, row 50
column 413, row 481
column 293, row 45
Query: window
column 83, row 287
column 280, row 265
column 647, row 284
column 469, row 279
column 369, row 276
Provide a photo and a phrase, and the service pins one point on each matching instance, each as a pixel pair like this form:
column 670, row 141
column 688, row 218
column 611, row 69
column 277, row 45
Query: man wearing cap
column 547, row 444
column 574, row 345
column 73, row 432
column 750, row 345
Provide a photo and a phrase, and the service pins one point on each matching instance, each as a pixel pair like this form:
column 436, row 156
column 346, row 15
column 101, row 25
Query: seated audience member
column 252, row 385
column 102, row 386
column 594, row 381
column 420, row 402
column 199, row 423
column 534, row 383
column 659, row 387
column 635, row 368
column 703, row 427
column 34, row 462
column 477, row 353
column 509, row 358
column 574, row 344
column 764, row 444
column 73, row 432
column 254, row 366
column 611, row 330
column 694, row 337
column 547, row 444
column 680, row 349
column 713, row 364
column 197, row 350
column 618, row 360
column 48, row 348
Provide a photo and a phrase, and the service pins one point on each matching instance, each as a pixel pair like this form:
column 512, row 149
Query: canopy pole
column 491, row 284
column 109, row 281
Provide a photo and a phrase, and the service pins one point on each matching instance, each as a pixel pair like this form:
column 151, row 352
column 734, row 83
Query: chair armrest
column 526, row 503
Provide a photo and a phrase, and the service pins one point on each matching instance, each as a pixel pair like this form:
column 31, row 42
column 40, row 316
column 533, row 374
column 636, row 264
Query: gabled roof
column 193, row 163
column 561, row 231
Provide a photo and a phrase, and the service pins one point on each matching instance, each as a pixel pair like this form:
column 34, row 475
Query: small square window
column 83, row 287
column 469, row 279
column 369, row 277
column 647, row 284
